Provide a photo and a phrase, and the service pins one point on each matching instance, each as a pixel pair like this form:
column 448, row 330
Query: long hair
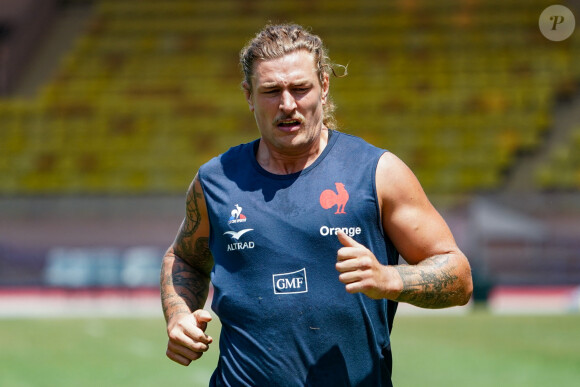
column 275, row 41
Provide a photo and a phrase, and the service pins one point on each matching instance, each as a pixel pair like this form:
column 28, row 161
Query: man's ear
column 248, row 95
column 325, row 88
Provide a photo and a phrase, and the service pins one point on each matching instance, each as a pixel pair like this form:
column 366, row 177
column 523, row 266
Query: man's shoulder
column 356, row 144
column 232, row 157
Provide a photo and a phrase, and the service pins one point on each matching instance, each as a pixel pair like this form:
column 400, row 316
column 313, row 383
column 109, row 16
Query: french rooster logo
column 329, row 198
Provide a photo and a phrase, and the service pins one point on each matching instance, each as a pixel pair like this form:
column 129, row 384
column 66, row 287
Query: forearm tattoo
column 183, row 287
column 431, row 283
column 186, row 267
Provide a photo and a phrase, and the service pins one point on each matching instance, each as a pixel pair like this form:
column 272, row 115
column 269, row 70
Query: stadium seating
column 561, row 170
column 151, row 91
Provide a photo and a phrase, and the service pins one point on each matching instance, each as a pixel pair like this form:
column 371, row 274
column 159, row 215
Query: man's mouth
column 289, row 125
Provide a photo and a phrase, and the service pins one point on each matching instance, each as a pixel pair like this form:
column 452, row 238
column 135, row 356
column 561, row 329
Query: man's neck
column 287, row 161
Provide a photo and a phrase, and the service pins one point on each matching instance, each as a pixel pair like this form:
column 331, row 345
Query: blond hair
column 275, row 41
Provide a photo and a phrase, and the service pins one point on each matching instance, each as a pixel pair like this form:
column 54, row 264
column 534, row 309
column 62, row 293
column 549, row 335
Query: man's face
column 287, row 100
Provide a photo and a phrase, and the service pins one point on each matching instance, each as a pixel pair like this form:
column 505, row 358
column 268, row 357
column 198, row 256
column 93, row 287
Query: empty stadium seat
column 150, row 92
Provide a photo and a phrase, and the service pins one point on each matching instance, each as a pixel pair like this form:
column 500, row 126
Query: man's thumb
column 202, row 317
column 345, row 240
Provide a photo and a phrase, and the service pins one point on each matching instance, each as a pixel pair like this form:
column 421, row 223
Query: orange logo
column 329, row 198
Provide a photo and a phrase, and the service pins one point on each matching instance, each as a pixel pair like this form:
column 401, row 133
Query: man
column 300, row 233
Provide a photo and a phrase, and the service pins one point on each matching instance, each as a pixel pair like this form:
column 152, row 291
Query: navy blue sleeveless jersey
column 286, row 318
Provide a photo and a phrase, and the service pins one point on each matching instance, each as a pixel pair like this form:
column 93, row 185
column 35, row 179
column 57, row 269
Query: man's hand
column 361, row 272
column 187, row 338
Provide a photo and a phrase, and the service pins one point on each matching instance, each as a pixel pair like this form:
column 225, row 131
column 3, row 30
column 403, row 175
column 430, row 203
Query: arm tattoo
column 186, row 266
column 184, row 288
column 431, row 283
column 191, row 222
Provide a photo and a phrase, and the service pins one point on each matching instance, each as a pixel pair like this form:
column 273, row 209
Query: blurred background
column 108, row 107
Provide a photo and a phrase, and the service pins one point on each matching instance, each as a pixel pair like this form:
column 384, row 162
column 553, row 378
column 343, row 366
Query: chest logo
column 236, row 215
column 329, row 198
column 236, row 244
column 290, row 283
column 237, row 235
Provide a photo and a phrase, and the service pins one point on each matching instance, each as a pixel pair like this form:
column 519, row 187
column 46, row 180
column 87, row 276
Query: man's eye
column 302, row 89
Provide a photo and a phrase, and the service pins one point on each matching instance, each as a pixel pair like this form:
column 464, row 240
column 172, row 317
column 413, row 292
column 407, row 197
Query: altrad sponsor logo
column 236, row 236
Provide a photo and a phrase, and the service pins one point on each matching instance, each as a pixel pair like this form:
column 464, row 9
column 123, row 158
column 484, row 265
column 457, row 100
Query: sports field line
column 145, row 303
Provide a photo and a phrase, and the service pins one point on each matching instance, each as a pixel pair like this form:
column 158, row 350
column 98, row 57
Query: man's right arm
column 185, row 276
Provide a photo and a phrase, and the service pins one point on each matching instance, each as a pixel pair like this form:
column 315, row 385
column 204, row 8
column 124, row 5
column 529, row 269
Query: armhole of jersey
column 391, row 306
column 199, row 173
column 376, row 194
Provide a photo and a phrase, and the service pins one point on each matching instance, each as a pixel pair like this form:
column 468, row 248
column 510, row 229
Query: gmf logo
column 290, row 283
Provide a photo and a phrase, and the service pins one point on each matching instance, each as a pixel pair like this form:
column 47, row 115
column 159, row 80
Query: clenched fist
column 361, row 272
column 187, row 338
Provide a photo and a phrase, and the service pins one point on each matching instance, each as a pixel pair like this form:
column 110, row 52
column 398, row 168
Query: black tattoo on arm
column 186, row 267
column 432, row 283
column 190, row 224
column 183, row 287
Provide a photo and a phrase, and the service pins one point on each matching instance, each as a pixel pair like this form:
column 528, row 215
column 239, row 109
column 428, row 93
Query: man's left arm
column 438, row 274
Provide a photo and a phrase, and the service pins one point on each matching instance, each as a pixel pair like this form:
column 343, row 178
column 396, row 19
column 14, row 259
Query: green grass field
column 478, row 349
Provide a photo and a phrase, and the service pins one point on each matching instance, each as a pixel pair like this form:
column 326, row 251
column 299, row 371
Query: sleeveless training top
column 286, row 318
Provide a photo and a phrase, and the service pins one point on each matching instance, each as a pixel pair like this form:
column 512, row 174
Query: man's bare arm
column 185, row 277
column 438, row 274
column 183, row 288
column 188, row 262
column 434, row 283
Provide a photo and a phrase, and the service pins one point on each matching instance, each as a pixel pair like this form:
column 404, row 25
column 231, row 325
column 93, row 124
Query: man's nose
column 287, row 101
